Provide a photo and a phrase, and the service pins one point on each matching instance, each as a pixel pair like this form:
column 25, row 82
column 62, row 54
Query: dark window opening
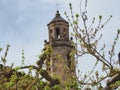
column 50, row 31
column 64, row 29
column 50, row 34
column 68, row 61
column 57, row 32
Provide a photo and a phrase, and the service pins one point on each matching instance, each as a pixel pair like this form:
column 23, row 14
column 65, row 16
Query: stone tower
column 61, row 64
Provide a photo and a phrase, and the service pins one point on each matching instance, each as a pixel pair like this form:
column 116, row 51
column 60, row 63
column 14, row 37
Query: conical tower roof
column 57, row 18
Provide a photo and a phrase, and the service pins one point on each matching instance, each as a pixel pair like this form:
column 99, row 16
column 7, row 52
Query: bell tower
column 62, row 61
column 58, row 28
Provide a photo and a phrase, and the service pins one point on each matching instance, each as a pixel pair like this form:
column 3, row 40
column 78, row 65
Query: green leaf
column 0, row 49
column 17, row 68
column 77, row 15
column 100, row 17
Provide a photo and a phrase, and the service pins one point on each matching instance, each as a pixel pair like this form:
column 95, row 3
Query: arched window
column 50, row 34
column 68, row 61
column 57, row 32
column 50, row 30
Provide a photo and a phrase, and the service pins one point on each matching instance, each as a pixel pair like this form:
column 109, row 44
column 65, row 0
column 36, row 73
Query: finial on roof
column 57, row 13
column 57, row 18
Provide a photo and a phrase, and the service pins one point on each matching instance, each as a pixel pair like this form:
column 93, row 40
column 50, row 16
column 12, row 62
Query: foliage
column 87, row 42
column 11, row 78
column 15, row 78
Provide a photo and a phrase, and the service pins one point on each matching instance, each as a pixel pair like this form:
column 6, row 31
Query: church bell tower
column 61, row 61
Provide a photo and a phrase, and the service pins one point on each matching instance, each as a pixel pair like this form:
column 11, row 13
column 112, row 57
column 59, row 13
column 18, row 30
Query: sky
column 23, row 24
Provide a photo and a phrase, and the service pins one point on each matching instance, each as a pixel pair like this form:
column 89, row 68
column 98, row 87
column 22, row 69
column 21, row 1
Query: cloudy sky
column 23, row 23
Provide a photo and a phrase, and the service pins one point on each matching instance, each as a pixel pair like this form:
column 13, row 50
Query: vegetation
column 87, row 41
column 15, row 78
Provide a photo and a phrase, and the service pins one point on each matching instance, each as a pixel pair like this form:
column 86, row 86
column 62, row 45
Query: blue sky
column 23, row 23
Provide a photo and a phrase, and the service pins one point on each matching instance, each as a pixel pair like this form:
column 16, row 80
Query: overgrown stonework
column 61, row 63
